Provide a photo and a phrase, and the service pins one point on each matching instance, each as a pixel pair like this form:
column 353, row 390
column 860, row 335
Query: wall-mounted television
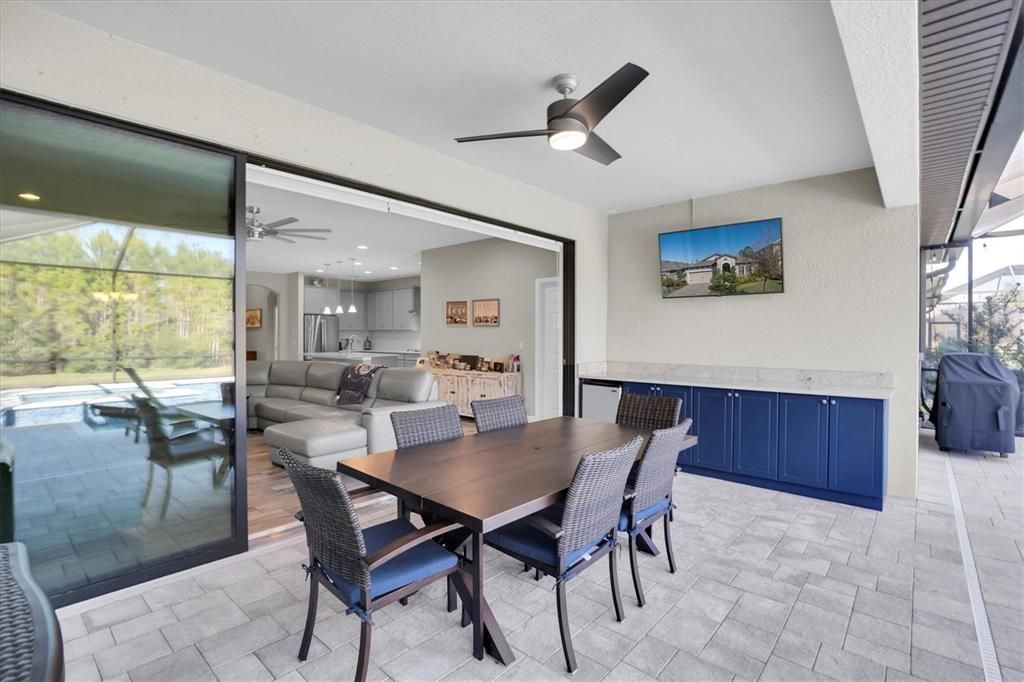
column 725, row 260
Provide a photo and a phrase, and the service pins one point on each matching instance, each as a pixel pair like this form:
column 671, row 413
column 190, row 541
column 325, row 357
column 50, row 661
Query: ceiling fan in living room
column 571, row 122
column 257, row 231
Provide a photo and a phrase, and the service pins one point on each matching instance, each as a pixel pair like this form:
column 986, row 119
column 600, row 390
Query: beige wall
column 289, row 340
column 261, row 339
column 850, row 301
column 55, row 58
column 491, row 268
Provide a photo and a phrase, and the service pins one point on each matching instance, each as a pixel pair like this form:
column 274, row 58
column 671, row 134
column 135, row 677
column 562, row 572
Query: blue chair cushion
column 524, row 540
column 660, row 506
column 419, row 562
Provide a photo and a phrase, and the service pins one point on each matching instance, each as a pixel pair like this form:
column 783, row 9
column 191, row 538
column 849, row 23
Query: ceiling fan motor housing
column 557, row 120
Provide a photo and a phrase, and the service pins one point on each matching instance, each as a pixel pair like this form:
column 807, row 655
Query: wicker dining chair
column 648, row 412
column 566, row 539
column 421, row 427
column 651, row 497
column 365, row 569
column 499, row 413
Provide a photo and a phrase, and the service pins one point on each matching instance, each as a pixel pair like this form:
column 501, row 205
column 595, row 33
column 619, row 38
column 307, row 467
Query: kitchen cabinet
column 353, row 322
column 712, row 424
column 406, row 309
column 828, row 447
column 315, row 298
column 856, row 444
column 755, row 423
column 803, row 439
column 381, row 305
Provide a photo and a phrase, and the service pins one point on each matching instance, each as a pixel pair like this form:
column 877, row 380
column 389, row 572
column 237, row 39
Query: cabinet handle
column 833, row 402
column 824, row 401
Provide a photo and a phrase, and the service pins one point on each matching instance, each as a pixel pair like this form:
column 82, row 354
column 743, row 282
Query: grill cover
column 975, row 404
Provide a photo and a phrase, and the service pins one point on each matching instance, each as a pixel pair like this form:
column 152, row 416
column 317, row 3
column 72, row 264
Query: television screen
column 727, row 260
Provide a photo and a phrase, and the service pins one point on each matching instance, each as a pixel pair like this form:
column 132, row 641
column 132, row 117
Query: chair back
column 594, row 500
column 658, row 465
column 421, row 427
column 648, row 412
column 159, row 444
column 499, row 413
column 333, row 533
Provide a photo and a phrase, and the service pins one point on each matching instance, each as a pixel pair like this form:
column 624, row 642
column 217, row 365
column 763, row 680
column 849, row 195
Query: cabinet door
column 312, row 300
column 383, row 310
column 755, row 418
column 446, row 388
column 856, row 446
column 685, row 394
column 712, row 424
column 405, row 316
column 634, row 387
column 803, row 439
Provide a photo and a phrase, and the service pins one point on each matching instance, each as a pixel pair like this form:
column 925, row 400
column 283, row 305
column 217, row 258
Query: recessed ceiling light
column 319, row 269
column 393, row 267
column 28, row 196
column 358, row 263
column 367, row 272
column 362, row 247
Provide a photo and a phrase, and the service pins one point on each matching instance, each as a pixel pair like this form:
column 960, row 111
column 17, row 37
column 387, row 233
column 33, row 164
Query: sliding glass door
column 117, row 338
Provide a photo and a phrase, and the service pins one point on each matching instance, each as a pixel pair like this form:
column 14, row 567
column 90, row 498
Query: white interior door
column 548, row 377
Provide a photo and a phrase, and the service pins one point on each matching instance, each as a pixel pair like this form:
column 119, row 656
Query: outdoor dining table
column 485, row 481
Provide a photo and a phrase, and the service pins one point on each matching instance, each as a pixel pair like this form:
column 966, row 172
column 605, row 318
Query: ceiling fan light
column 567, row 140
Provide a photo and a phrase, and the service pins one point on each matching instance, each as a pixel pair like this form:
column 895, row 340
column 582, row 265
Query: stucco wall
column 491, row 268
column 55, row 58
column 850, row 301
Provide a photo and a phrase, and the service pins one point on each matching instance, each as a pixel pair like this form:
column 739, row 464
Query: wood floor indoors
column 272, row 501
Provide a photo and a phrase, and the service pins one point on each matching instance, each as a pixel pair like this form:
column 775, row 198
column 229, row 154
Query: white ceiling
column 393, row 240
column 741, row 94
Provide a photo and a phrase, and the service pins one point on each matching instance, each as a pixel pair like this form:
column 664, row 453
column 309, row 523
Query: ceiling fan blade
column 505, row 136
column 294, row 230
column 280, row 223
column 280, row 239
column 597, row 149
column 606, row 96
column 293, row 235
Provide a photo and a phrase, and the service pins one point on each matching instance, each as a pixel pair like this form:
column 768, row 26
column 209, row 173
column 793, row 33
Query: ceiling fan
column 571, row 122
column 257, row 231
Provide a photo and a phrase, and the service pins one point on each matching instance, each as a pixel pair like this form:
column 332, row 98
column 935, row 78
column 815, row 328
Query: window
column 117, row 266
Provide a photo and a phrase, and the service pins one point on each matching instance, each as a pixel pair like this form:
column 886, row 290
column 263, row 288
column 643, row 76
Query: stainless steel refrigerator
column 319, row 334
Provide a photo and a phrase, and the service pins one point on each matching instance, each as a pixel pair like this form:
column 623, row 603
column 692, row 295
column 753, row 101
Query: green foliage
column 998, row 328
column 671, row 283
column 723, row 283
column 60, row 317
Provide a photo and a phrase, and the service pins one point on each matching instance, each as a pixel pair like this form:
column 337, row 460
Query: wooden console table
column 462, row 387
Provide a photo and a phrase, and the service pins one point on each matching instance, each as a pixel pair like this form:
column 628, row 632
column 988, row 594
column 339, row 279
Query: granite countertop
column 839, row 384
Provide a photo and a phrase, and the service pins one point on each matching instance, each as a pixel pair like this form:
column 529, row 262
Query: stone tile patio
column 770, row 587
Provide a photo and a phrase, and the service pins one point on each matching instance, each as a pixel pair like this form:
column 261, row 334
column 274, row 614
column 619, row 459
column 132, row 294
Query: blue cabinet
column 712, row 424
column 755, row 441
column 856, row 446
column 803, row 439
column 826, row 447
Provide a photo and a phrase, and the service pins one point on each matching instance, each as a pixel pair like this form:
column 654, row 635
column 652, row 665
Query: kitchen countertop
column 345, row 355
column 749, row 381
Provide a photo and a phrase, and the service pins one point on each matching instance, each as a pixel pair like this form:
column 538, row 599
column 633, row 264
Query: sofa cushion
column 314, row 412
column 257, row 372
column 289, row 372
column 405, row 384
column 317, row 437
column 276, row 409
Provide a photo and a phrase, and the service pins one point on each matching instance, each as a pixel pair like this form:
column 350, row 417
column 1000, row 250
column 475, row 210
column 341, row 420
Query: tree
column 998, row 327
column 723, row 283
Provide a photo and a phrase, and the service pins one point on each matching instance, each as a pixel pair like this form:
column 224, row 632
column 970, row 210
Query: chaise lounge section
column 295, row 405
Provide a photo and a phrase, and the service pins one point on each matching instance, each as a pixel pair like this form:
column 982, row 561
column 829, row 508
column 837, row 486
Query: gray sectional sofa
column 295, row 405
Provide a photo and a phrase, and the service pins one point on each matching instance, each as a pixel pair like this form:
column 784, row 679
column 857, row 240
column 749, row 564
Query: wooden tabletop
column 487, row 480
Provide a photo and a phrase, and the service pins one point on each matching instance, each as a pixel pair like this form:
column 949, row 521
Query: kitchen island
column 372, row 357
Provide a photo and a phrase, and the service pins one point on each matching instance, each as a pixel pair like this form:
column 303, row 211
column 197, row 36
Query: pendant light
column 327, row 278
column 352, row 288
column 340, row 310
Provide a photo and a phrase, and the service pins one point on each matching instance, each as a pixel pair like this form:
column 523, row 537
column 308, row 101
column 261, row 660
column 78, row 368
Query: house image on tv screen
column 745, row 258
